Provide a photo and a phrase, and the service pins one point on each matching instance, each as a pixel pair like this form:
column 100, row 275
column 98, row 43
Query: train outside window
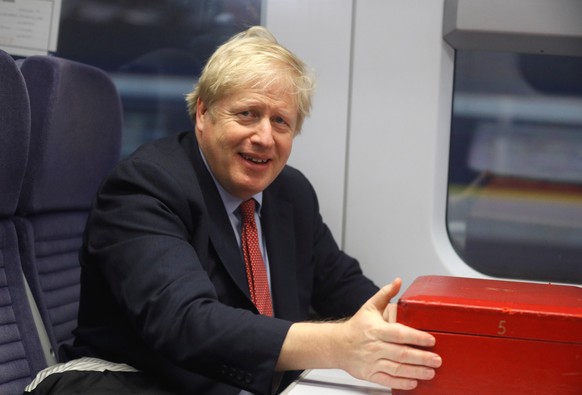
column 515, row 171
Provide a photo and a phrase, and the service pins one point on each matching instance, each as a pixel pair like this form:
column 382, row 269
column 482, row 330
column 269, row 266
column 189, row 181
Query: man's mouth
column 254, row 160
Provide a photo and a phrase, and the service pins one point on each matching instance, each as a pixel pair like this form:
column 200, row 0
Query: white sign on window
column 29, row 27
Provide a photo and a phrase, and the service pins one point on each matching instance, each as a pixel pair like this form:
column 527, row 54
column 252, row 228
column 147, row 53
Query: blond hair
column 253, row 59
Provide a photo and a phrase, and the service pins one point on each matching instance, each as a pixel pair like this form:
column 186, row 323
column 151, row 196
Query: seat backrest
column 21, row 355
column 75, row 141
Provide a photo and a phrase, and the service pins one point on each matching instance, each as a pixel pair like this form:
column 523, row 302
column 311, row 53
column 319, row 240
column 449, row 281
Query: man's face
column 246, row 138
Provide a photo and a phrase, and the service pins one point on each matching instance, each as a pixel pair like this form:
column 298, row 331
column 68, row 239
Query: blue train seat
column 75, row 140
column 21, row 354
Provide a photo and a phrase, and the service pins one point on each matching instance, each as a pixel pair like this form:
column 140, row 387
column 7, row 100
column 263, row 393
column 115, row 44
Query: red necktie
column 256, row 271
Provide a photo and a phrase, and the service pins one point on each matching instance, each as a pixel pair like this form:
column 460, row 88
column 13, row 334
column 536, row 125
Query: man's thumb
column 385, row 294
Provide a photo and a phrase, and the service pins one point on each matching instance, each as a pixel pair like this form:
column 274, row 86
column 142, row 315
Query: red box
column 498, row 337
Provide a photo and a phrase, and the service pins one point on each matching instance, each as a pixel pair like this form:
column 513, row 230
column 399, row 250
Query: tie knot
column 247, row 209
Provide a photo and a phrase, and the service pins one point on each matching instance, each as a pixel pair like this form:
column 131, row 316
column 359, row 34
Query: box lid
column 493, row 308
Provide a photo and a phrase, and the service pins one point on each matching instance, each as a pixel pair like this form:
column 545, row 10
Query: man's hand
column 383, row 353
column 365, row 346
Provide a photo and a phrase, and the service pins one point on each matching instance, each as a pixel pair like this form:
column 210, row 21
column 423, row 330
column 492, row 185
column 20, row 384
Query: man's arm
column 365, row 346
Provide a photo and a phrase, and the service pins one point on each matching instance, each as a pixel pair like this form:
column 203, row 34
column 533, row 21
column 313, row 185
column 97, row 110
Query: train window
column 515, row 170
column 154, row 51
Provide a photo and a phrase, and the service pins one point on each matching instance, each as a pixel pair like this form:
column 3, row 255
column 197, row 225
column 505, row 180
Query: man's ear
column 201, row 114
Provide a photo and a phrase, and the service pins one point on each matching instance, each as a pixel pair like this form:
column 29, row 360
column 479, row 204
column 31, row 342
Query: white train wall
column 376, row 145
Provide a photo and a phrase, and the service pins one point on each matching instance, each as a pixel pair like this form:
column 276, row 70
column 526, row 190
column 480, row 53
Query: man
column 165, row 285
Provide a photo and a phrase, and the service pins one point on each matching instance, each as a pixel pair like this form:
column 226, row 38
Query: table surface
column 332, row 381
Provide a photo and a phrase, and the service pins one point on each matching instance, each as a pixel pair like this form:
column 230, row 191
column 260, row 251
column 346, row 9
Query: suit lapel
column 277, row 223
column 220, row 229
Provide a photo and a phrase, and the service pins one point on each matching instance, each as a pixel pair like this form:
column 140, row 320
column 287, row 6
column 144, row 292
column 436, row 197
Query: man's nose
column 264, row 133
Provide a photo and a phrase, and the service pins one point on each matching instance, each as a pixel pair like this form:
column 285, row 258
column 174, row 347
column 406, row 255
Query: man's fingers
column 407, row 355
column 393, row 382
column 403, row 372
column 402, row 334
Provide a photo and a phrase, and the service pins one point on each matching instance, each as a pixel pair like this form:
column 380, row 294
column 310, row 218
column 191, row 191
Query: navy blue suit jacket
column 163, row 279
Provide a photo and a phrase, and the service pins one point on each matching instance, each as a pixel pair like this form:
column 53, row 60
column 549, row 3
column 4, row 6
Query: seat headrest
column 15, row 133
column 75, row 133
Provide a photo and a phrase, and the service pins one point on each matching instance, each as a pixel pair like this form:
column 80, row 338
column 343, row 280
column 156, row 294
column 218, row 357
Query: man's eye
column 279, row 120
column 245, row 114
